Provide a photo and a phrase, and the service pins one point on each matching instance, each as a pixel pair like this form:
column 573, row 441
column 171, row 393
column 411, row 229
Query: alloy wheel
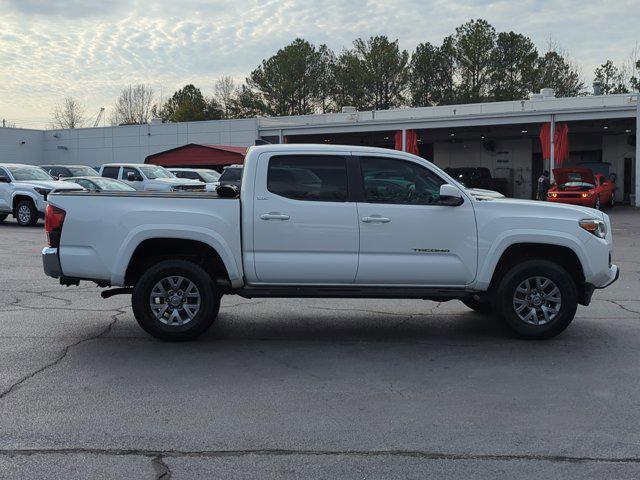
column 175, row 300
column 24, row 214
column 537, row 300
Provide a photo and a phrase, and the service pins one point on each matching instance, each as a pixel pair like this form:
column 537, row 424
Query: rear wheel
column 537, row 299
column 478, row 306
column 596, row 202
column 25, row 213
column 175, row 300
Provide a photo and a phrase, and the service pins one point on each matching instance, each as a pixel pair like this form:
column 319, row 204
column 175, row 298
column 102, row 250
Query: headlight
column 43, row 191
column 552, row 195
column 596, row 227
column 587, row 195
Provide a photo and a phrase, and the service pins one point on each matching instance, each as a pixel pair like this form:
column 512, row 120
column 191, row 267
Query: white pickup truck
column 331, row 221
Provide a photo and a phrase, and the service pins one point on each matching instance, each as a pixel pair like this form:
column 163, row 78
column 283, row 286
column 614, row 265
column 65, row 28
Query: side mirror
column 62, row 175
column 4, row 179
column 450, row 195
column 228, row 191
column 132, row 177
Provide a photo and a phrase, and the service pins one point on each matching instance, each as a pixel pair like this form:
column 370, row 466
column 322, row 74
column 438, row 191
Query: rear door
column 406, row 236
column 305, row 228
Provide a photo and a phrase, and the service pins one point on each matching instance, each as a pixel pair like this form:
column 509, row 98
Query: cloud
column 92, row 50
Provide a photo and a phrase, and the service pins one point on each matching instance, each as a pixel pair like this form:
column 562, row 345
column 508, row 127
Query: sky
column 91, row 50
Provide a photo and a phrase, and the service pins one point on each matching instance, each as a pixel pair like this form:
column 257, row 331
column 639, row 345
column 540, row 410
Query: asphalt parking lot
column 313, row 388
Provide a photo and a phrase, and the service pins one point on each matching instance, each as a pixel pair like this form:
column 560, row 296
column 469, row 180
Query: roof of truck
column 317, row 147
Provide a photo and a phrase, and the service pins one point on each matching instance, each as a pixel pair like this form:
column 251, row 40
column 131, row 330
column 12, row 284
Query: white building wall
column 615, row 148
column 18, row 145
column 133, row 143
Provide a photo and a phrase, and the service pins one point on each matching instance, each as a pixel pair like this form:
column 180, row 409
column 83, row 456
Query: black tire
column 3, row 217
column 480, row 307
column 203, row 318
column 504, row 302
column 596, row 203
column 25, row 213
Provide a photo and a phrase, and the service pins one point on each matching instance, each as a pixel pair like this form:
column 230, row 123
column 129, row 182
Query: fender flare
column 23, row 193
column 199, row 234
column 512, row 237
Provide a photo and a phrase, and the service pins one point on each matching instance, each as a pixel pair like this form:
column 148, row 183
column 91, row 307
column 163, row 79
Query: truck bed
column 102, row 230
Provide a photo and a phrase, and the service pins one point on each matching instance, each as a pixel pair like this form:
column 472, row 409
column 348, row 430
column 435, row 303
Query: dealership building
column 515, row 140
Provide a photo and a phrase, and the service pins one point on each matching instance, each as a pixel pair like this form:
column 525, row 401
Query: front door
column 406, row 236
column 305, row 227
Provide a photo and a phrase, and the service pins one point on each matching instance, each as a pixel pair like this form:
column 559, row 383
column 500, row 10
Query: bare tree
column 68, row 114
column 225, row 94
column 134, row 106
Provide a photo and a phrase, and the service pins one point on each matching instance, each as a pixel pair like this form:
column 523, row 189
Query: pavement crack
column 160, row 468
column 615, row 302
column 61, row 356
column 158, row 456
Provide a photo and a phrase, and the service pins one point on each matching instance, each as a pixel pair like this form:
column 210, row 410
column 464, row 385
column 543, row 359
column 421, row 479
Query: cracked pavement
column 313, row 388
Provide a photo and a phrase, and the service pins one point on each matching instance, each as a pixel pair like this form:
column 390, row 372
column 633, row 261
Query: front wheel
column 537, row 299
column 25, row 213
column 175, row 300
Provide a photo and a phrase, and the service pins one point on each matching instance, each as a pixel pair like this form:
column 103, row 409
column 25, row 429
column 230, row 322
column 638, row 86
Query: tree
column 350, row 82
column 553, row 70
column 611, row 78
column 70, row 113
column 134, row 106
column 383, row 69
column 325, row 86
column 431, row 78
column 635, row 79
column 513, row 66
column 246, row 104
column 288, row 81
column 189, row 105
column 474, row 43
column 225, row 90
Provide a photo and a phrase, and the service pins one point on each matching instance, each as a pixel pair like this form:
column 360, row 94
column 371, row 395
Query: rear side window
column 316, row 178
column 110, row 172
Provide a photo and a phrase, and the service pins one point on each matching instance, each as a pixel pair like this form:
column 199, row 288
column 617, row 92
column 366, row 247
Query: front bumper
column 583, row 202
column 51, row 262
column 614, row 274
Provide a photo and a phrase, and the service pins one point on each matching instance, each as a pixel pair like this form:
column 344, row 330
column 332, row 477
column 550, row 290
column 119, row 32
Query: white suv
column 208, row 177
column 149, row 178
column 24, row 190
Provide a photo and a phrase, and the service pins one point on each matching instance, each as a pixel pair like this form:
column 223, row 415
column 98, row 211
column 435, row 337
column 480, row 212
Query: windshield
column 153, row 171
column 209, row 176
column 112, row 185
column 83, row 172
column 231, row 175
column 29, row 173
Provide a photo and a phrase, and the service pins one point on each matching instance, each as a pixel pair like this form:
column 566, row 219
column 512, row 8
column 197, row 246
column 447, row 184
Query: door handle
column 375, row 219
column 274, row 216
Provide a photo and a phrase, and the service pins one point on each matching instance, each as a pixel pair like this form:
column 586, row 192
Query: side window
column 318, row 178
column 110, row 172
column 387, row 180
column 127, row 170
column 179, row 174
column 189, row 175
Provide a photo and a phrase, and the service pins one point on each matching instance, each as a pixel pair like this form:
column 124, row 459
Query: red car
column 580, row 186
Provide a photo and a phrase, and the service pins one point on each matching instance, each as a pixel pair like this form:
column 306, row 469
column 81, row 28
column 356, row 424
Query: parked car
column 231, row 175
column 342, row 234
column 100, row 184
column 149, row 178
column 579, row 186
column 58, row 171
column 209, row 177
column 24, row 190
